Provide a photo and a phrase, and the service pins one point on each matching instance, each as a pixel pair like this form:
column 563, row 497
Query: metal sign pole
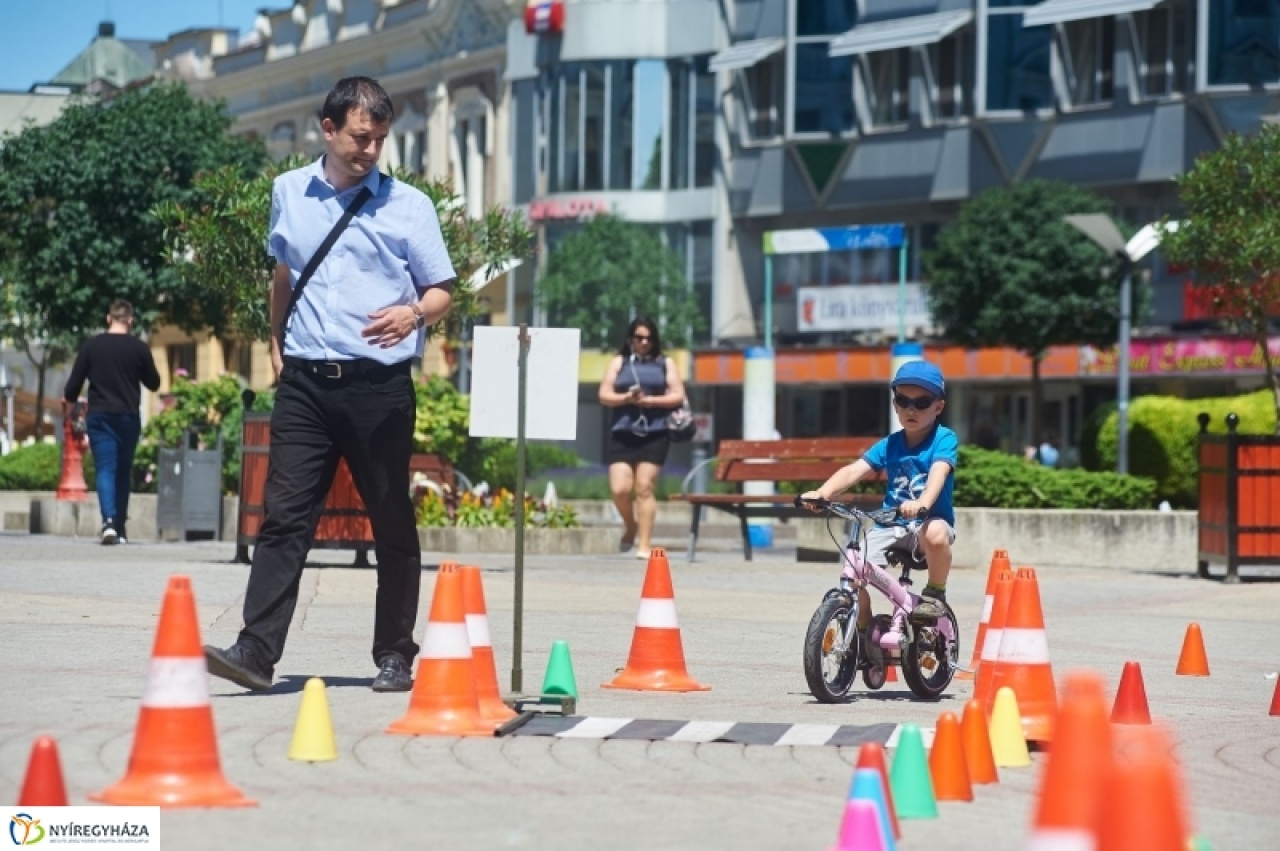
column 517, row 672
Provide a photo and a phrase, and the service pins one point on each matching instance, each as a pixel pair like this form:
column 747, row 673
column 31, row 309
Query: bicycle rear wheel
column 929, row 662
column 828, row 670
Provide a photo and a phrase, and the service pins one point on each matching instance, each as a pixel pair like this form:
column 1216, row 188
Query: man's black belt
column 337, row 369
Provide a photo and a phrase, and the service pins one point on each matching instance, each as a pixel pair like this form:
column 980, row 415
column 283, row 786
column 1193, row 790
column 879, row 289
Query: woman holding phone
column 641, row 387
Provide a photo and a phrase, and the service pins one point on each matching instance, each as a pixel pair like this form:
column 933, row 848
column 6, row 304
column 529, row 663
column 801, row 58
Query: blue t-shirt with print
column 906, row 468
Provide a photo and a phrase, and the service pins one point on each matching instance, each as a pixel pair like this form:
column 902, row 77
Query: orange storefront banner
column 829, row 366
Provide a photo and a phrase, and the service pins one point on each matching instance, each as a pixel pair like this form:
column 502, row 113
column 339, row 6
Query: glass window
column 764, row 97
column 552, row 121
column 524, row 147
column 1164, row 44
column 888, row 75
column 951, row 65
column 593, row 128
column 824, row 90
column 679, row 130
column 704, row 133
column 621, row 154
column 1089, row 53
column 650, row 82
column 571, row 83
column 1017, row 65
column 1244, row 42
column 825, row 17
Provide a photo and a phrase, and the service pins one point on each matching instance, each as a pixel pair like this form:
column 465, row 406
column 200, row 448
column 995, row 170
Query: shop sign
column 1182, row 357
column 859, row 307
column 544, row 16
column 561, row 209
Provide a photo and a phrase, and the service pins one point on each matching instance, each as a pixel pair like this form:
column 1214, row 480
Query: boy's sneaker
column 109, row 536
column 931, row 606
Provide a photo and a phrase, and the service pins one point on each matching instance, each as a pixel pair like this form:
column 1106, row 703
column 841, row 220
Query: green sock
column 939, row 591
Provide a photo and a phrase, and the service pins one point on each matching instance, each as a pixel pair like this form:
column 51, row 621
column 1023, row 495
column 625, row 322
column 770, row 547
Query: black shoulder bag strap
column 316, row 259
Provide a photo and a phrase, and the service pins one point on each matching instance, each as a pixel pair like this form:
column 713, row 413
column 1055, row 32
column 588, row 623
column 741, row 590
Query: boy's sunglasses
column 920, row 403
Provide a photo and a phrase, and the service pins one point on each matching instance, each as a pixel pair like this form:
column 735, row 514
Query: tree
column 611, row 271
column 221, row 238
column 76, row 229
column 1230, row 236
column 1008, row 271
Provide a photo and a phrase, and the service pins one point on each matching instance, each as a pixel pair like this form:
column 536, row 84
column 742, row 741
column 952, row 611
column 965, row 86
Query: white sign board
column 705, row 428
column 860, row 307
column 551, row 395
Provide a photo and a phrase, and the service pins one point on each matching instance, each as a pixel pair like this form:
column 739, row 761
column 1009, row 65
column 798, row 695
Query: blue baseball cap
column 922, row 374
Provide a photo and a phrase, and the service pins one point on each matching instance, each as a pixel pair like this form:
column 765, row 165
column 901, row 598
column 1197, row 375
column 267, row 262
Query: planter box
column 1130, row 540
column 542, row 542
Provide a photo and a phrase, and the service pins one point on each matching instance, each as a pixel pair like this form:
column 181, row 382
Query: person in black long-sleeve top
column 115, row 363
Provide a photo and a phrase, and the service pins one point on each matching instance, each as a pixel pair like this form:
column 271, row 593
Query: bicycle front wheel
column 828, row 669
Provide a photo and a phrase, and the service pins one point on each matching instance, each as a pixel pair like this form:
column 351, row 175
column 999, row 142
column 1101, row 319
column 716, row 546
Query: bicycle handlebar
column 851, row 512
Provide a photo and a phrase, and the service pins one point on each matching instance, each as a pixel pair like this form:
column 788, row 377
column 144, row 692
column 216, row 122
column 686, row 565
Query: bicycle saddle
column 904, row 552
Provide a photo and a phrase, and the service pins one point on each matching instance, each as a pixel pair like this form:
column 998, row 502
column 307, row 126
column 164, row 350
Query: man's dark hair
column 120, row 311
column 363, row 93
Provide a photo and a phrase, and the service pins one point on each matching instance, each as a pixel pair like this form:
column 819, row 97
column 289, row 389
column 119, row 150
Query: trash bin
column 189, row 490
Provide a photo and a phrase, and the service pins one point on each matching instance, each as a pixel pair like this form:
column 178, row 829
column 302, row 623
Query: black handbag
column 680, row 425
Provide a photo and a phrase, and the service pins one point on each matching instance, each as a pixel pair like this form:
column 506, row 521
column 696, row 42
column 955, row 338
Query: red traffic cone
column 486, row 671
column 1131, row 698
column 43, row 786
column 1275, row 699
column 871, row 755
column 656, row 661
column 999, row 564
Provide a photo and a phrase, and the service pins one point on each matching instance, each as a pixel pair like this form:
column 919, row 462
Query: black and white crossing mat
column 700, row 732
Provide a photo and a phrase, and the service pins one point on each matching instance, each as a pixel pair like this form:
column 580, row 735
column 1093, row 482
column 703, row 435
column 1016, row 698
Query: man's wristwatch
column 419, row 318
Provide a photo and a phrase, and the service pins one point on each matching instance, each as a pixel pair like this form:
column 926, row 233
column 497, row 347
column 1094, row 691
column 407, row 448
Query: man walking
column 115, row 364
column 361, row 269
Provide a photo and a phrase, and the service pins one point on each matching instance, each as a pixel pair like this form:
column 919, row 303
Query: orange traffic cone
column 1275, row 699
column 444, row 701
column 947, row 765
column 1024, row 659
column 174, row 762
column 1193, row 662
column 43, row 786
column 1131, row 698
column 871, row 755
column 982, row 690
column 1142, row 803
column 491, row 706
column 999, row 564
column 656, row 662
column 977, row 745
column 1070, row 787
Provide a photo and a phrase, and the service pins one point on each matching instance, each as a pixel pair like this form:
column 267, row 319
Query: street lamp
column 1100, row 228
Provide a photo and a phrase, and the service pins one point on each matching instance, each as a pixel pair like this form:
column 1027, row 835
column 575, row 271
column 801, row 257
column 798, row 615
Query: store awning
column 915, row 31
column 746, row 53
column 1061, row 11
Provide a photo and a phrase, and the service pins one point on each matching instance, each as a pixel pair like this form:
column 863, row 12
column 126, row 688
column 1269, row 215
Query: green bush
column 1162, row 437
column 38, row 468
column 493, row 460
column 986, row 479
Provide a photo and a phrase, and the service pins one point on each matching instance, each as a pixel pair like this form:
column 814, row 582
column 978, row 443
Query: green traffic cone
column 1198, row 843
column 909, row 777
column 560, row 679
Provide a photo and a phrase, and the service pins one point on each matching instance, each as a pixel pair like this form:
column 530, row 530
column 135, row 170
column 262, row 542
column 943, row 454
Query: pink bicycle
column 927, row 649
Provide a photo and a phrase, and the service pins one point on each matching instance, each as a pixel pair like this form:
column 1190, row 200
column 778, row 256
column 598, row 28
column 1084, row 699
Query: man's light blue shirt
column 389, row 254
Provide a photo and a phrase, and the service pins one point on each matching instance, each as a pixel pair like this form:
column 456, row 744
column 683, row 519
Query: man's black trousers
column 368, row 418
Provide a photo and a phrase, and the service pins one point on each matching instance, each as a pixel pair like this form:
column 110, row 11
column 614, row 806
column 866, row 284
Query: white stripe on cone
column 478, row 630
column 991, row 645
column 1061, row 839
column 176, row 682
column 987, row 604
column 657, row 613
column 446, row 641
column 1024, row 646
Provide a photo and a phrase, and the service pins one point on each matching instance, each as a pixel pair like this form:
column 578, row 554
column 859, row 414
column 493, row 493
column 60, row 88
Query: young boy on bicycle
column 919, row 464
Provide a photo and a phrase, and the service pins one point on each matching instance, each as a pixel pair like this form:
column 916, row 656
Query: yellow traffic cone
column 313, row 739
column 1008, row 743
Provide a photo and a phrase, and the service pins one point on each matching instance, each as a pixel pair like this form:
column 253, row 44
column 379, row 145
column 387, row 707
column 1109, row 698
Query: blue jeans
column 113, row 438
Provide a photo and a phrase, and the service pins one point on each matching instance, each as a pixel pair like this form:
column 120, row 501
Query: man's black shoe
column 235, row 664
column 394, row 675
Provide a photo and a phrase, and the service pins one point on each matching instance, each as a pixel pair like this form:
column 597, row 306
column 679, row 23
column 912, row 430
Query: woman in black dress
column 642, row 387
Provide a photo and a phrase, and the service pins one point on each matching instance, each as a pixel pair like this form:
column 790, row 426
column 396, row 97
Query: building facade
column 719, row 122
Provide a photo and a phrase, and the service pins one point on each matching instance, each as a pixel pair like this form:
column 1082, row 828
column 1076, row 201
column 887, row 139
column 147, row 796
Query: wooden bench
column 794, row 460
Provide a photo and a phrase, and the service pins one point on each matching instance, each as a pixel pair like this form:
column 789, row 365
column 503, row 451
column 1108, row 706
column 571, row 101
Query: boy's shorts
column 880, row 537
